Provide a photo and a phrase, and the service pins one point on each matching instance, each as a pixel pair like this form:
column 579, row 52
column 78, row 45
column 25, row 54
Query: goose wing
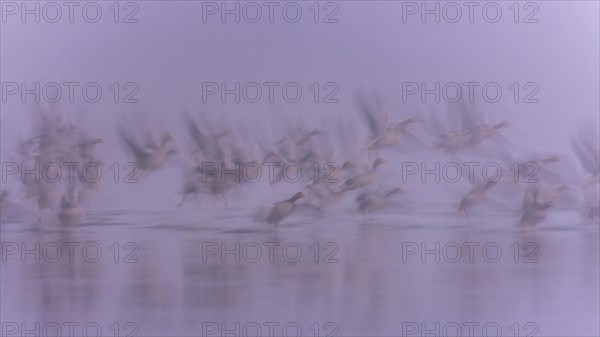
column 372, row 114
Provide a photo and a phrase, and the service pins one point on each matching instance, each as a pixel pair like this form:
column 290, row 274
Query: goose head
column 271, row 156
column 314, row 132
column 552, row 159
column 296, row 197
column 411, row 121
column 378, row 161
column 166, row 139
column 502, row 125
column 395, row 191
column 348, row 165
column 172, row 152
column 222, row 134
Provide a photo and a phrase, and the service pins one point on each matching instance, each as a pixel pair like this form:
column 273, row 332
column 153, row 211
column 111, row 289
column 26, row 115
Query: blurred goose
column 3, row 201
column 84, row 149
column 384, row 133
column 208, row 147
column 282, row 209
column 192, row 184
column 44, row 194
column 593, row 212
column 536, row 168
column 466, row 126
column 219, row 187
column 326, row 191
column 333, row 176
column 150, row 156
column 69, row 202
column 474, row 122
column 278, row 163
column 392, row 134
column 474, row 197
column 588, row 152
column 83, row 153
column 29, row 149
column 371, row 201
column 531, row 169
column 363, row 179
column 478, row 134
column 58, row 141
column 537, row 202
column 303, row 138
column 451, row 142
column 323, row 195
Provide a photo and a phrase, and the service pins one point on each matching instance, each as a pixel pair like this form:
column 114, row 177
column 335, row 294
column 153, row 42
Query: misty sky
column 170, row 52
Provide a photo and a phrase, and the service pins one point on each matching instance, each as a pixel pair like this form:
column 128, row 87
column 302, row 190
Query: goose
column 588, row 152
column 478, row 134
column 69, row 202
column 539, row 164
column 475, row 196
column 278, row 163
column 4, row 202
column 537, row 202
column 370, row 202
column 391, row 135
column 363, row 179
column 192, row 184
column 451, row 142
column 326, row 192
column 152, row 155
column 219, row 187
column 282, row 209
column 384, row 133
column 44, row 194
column 84, row 149
column 324, row 195
column 465, row 126
column 593, row 212
column 333, row 176
column 206, row 146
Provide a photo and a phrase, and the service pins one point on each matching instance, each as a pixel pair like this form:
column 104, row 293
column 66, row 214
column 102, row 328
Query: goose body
column 150, row 156
column 370, row 202
column 537, row 202
column 363, row 179
column 477, row 135
column 588, row 152
column 474, row 197
column 283, row 209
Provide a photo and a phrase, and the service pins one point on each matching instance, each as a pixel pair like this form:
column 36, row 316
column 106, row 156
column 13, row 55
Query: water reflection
column 168, row 280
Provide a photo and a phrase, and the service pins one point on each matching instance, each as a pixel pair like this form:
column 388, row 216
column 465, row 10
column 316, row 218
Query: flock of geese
column 56, row 142
column 462, row 129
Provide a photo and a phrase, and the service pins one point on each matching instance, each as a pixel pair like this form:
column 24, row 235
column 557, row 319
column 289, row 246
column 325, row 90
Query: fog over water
column 166, row 61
